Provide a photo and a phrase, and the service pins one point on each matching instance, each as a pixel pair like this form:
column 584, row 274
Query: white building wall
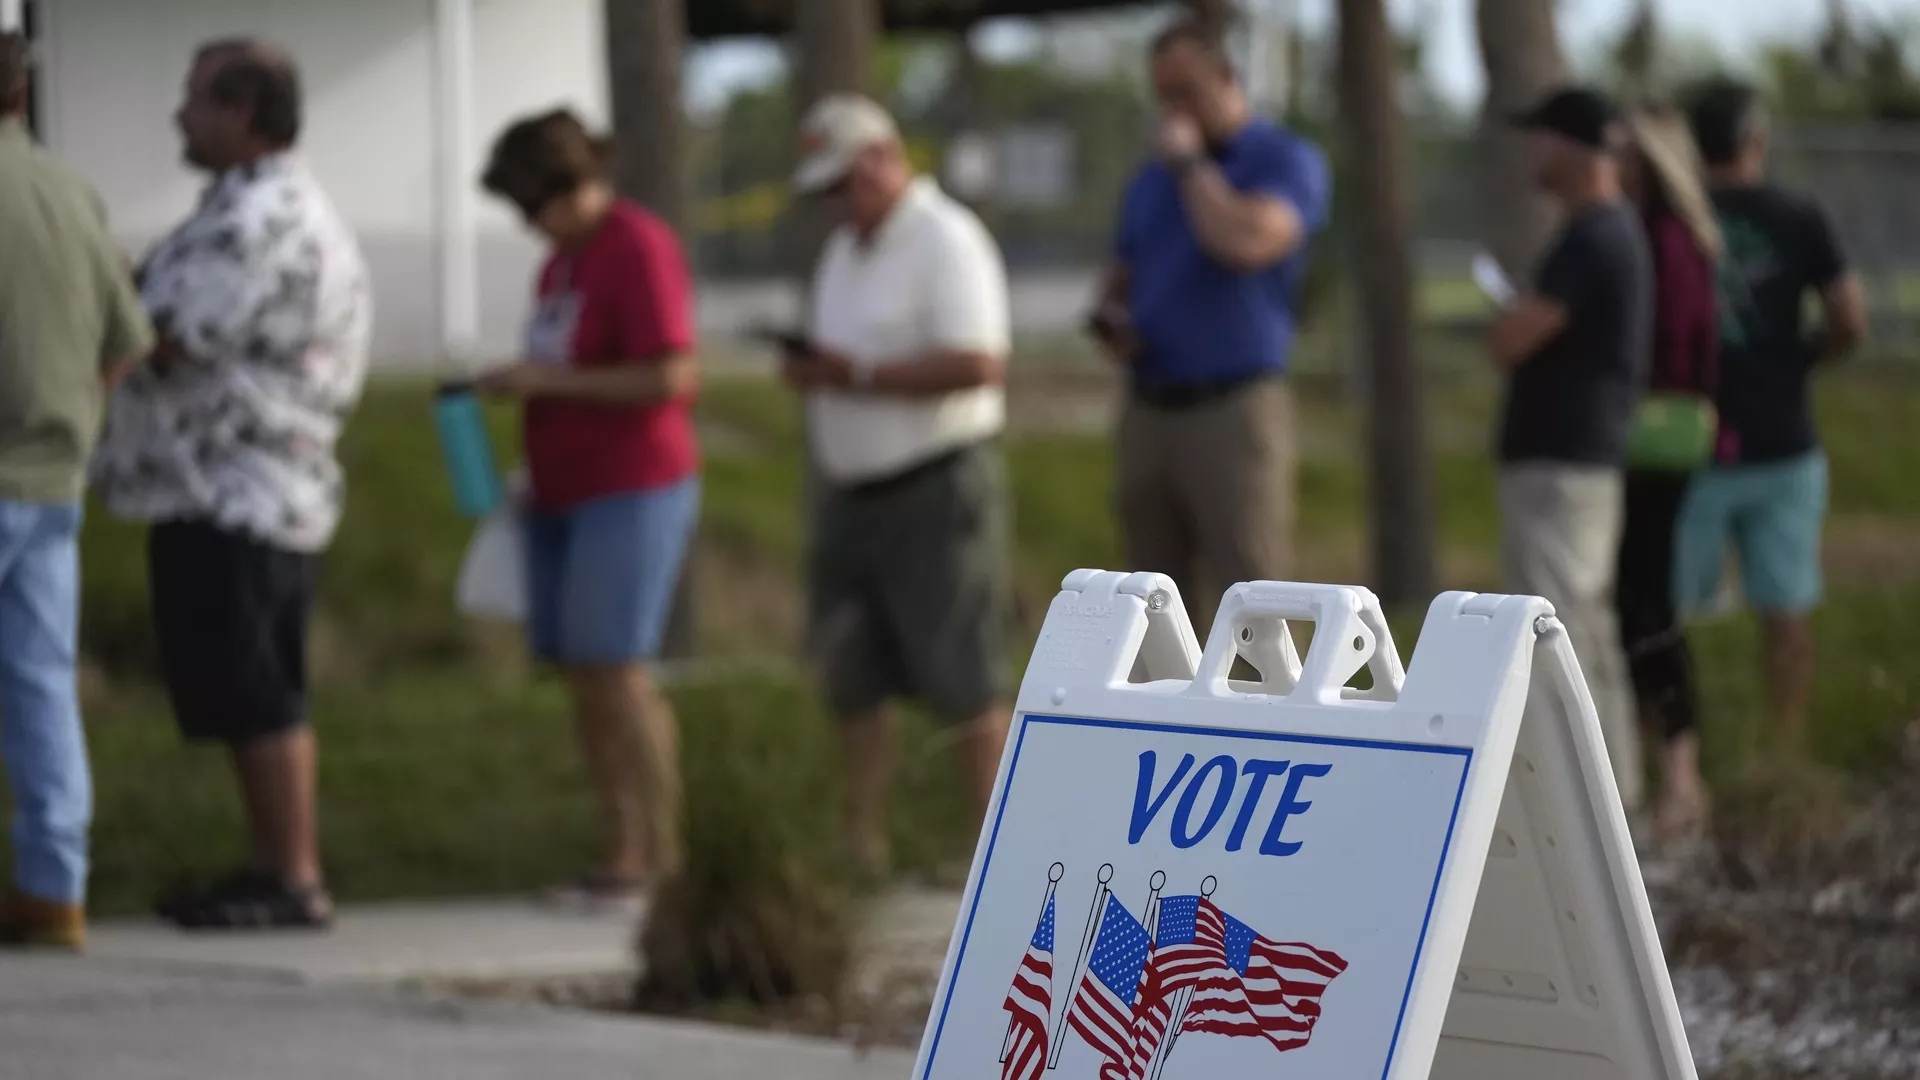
column 529, row 55
column 113, row 72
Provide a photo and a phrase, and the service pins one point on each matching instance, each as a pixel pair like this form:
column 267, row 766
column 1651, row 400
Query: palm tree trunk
column 836, row 40
column 1521, row 50
column 834, row 43
column 644, row 43
column 1401, row 489
column 1217, row 12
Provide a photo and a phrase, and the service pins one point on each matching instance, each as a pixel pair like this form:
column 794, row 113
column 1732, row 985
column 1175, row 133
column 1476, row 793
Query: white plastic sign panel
column 1191, row 877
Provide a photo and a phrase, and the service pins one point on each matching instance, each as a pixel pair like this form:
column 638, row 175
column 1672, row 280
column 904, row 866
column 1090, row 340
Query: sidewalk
column 479, row 940
column 99, row 1019
column 150, row 1003
column 392, row 943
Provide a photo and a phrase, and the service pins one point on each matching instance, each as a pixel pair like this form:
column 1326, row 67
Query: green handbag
column 1672, row 430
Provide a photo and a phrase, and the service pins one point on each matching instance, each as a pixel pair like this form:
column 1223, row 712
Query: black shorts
column 910, row 588
column 231, row 616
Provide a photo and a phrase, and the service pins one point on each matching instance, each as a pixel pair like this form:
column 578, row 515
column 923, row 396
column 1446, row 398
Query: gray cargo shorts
column 910, row 587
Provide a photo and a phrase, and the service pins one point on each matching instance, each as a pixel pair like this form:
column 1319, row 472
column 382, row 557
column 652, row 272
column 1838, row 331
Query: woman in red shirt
column 1661, row 172
column 608, row 379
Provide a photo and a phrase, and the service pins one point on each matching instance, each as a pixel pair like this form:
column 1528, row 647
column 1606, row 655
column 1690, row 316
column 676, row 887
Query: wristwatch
column 1184, row 164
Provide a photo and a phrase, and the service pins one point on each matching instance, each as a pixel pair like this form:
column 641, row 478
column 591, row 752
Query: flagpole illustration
column 1157, row 882
column 1094, row 916
column 1152, row 923
column 1179, row 1017
column 1054, row 874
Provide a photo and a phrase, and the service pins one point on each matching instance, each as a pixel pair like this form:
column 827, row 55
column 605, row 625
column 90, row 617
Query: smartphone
column 790, row 342
column 1106, row 323
column 1493, row 280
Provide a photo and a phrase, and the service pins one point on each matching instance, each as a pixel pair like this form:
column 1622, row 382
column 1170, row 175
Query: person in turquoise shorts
column 1765, row 495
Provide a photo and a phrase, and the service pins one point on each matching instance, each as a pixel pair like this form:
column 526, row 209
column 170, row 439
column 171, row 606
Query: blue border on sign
column 1028, row 719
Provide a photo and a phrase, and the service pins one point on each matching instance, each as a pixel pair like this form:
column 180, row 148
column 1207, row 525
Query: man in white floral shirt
column 225, row 441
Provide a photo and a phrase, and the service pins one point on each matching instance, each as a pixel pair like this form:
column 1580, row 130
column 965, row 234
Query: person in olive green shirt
column 70, row 323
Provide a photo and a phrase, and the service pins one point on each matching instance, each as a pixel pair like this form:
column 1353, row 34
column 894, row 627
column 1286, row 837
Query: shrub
column 759, row 910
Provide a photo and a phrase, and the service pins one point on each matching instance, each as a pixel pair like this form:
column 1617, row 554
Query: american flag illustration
column 1209, row 972
column 1102, row 1007
column 1030, row 1001
column 1178, row 961
column 1269, row 988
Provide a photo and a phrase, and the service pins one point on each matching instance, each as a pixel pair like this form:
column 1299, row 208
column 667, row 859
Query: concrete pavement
column 390, row 943
column 513, row 940
column 96, row 1019
column 150, row 1003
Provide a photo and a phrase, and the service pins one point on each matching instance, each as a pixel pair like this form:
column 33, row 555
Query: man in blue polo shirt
column 1198, row 308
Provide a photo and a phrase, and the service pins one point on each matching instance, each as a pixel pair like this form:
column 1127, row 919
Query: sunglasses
column 531, row 210
column 529, row 195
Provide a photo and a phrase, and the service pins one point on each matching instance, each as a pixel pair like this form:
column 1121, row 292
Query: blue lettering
column 1183, row 814
column 1290, row 806
column 1144, row 811
column 1258, row 770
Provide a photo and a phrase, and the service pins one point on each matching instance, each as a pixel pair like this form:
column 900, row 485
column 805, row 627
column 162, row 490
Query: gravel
column 1802, row 959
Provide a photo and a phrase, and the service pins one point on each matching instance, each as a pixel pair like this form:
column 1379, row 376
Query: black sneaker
column 249, row 900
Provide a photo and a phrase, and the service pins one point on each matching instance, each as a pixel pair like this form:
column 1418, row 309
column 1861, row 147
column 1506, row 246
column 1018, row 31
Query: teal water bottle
column 468, row 450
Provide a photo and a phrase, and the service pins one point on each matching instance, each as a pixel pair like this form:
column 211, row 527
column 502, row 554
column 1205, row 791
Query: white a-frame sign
column 1184, row 877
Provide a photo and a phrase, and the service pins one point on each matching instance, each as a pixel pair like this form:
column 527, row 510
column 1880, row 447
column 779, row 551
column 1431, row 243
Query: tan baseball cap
column 834, row 132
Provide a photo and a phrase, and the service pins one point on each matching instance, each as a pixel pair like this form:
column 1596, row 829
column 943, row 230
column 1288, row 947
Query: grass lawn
column 1445, row 299
column 448, row 766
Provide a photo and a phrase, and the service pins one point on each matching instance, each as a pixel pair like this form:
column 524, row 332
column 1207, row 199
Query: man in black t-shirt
column 1575, row 348
column 1766, row 493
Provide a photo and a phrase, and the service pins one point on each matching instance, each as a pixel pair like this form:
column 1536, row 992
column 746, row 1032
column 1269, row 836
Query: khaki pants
column 1206, row 493
column 1560, row 538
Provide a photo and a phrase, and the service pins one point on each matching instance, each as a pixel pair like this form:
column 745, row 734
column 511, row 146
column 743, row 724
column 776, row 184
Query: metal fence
column 1049, row 185
column 1868, row 179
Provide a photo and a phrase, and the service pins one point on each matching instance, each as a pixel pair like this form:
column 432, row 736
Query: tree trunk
column 836, row 40
column 1401, row 490
column 1521, row 50
column 644, row 42
column 1638, row 54
column 833, row 50
column 1217, row 12
column 966, row 105
column 834, row 43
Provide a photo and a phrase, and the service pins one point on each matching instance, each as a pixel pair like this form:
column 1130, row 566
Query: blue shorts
column 601, row 575
column 1771, row 515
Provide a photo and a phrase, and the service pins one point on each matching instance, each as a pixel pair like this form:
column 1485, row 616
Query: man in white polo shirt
column 903, row 383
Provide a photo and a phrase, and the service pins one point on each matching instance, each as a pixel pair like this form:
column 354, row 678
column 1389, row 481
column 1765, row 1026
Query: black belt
column 1192, row 395
column 886, row 485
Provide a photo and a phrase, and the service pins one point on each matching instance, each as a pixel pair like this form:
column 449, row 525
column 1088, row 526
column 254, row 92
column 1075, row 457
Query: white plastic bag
column 493, row 574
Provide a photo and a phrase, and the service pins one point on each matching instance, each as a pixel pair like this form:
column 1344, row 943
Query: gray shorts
column 909, row 586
